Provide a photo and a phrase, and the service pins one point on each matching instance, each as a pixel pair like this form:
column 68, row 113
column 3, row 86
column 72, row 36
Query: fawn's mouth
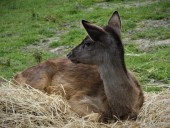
column 74, row 60
column 71, row 57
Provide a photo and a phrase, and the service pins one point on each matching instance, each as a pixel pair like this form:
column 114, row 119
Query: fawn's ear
column 95, row 32
column 115, row 22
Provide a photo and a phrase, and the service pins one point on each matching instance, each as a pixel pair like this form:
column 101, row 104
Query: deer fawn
column 96, row 79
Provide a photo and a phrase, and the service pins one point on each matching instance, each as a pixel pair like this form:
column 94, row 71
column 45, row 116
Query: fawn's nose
column 70, row 54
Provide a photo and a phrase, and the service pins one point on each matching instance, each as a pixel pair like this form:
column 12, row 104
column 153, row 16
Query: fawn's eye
column 87, row 44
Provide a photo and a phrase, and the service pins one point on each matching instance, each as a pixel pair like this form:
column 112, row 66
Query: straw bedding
column 25, row 107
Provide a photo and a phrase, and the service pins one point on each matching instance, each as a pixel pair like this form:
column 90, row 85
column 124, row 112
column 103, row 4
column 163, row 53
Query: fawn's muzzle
column 69, row 55
column 72, row 57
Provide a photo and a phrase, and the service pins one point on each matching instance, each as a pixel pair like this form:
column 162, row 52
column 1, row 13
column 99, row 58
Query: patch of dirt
column 124, row 4
column 59, row 50
column 159, row 83
column 147, row 45
column 133, row 54
column 43, row 44
column 144, row 25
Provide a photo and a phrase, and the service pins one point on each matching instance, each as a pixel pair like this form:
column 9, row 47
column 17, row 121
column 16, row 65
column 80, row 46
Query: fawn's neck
column 113, row 73
column 116, row 83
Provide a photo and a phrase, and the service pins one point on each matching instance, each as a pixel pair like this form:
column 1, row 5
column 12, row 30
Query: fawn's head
column 99, row 43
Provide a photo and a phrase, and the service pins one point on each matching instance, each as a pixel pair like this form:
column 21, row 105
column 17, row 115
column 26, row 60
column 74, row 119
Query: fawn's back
column 80, row 84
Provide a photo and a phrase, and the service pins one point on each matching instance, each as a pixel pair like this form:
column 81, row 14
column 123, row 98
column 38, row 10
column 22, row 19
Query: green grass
column 73, row 37
column 24, row 22
column 152, row 65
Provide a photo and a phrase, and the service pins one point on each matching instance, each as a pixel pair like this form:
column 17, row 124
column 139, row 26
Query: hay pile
column 27, row 107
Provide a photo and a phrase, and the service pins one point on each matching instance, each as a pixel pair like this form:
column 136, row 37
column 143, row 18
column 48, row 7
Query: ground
column 51, row 28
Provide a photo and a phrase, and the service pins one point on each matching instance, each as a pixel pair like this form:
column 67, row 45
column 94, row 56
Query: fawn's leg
column 84, row 107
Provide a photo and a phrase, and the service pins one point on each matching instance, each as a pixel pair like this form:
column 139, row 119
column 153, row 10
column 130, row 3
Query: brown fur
column 83, row 87
column 79, row 83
